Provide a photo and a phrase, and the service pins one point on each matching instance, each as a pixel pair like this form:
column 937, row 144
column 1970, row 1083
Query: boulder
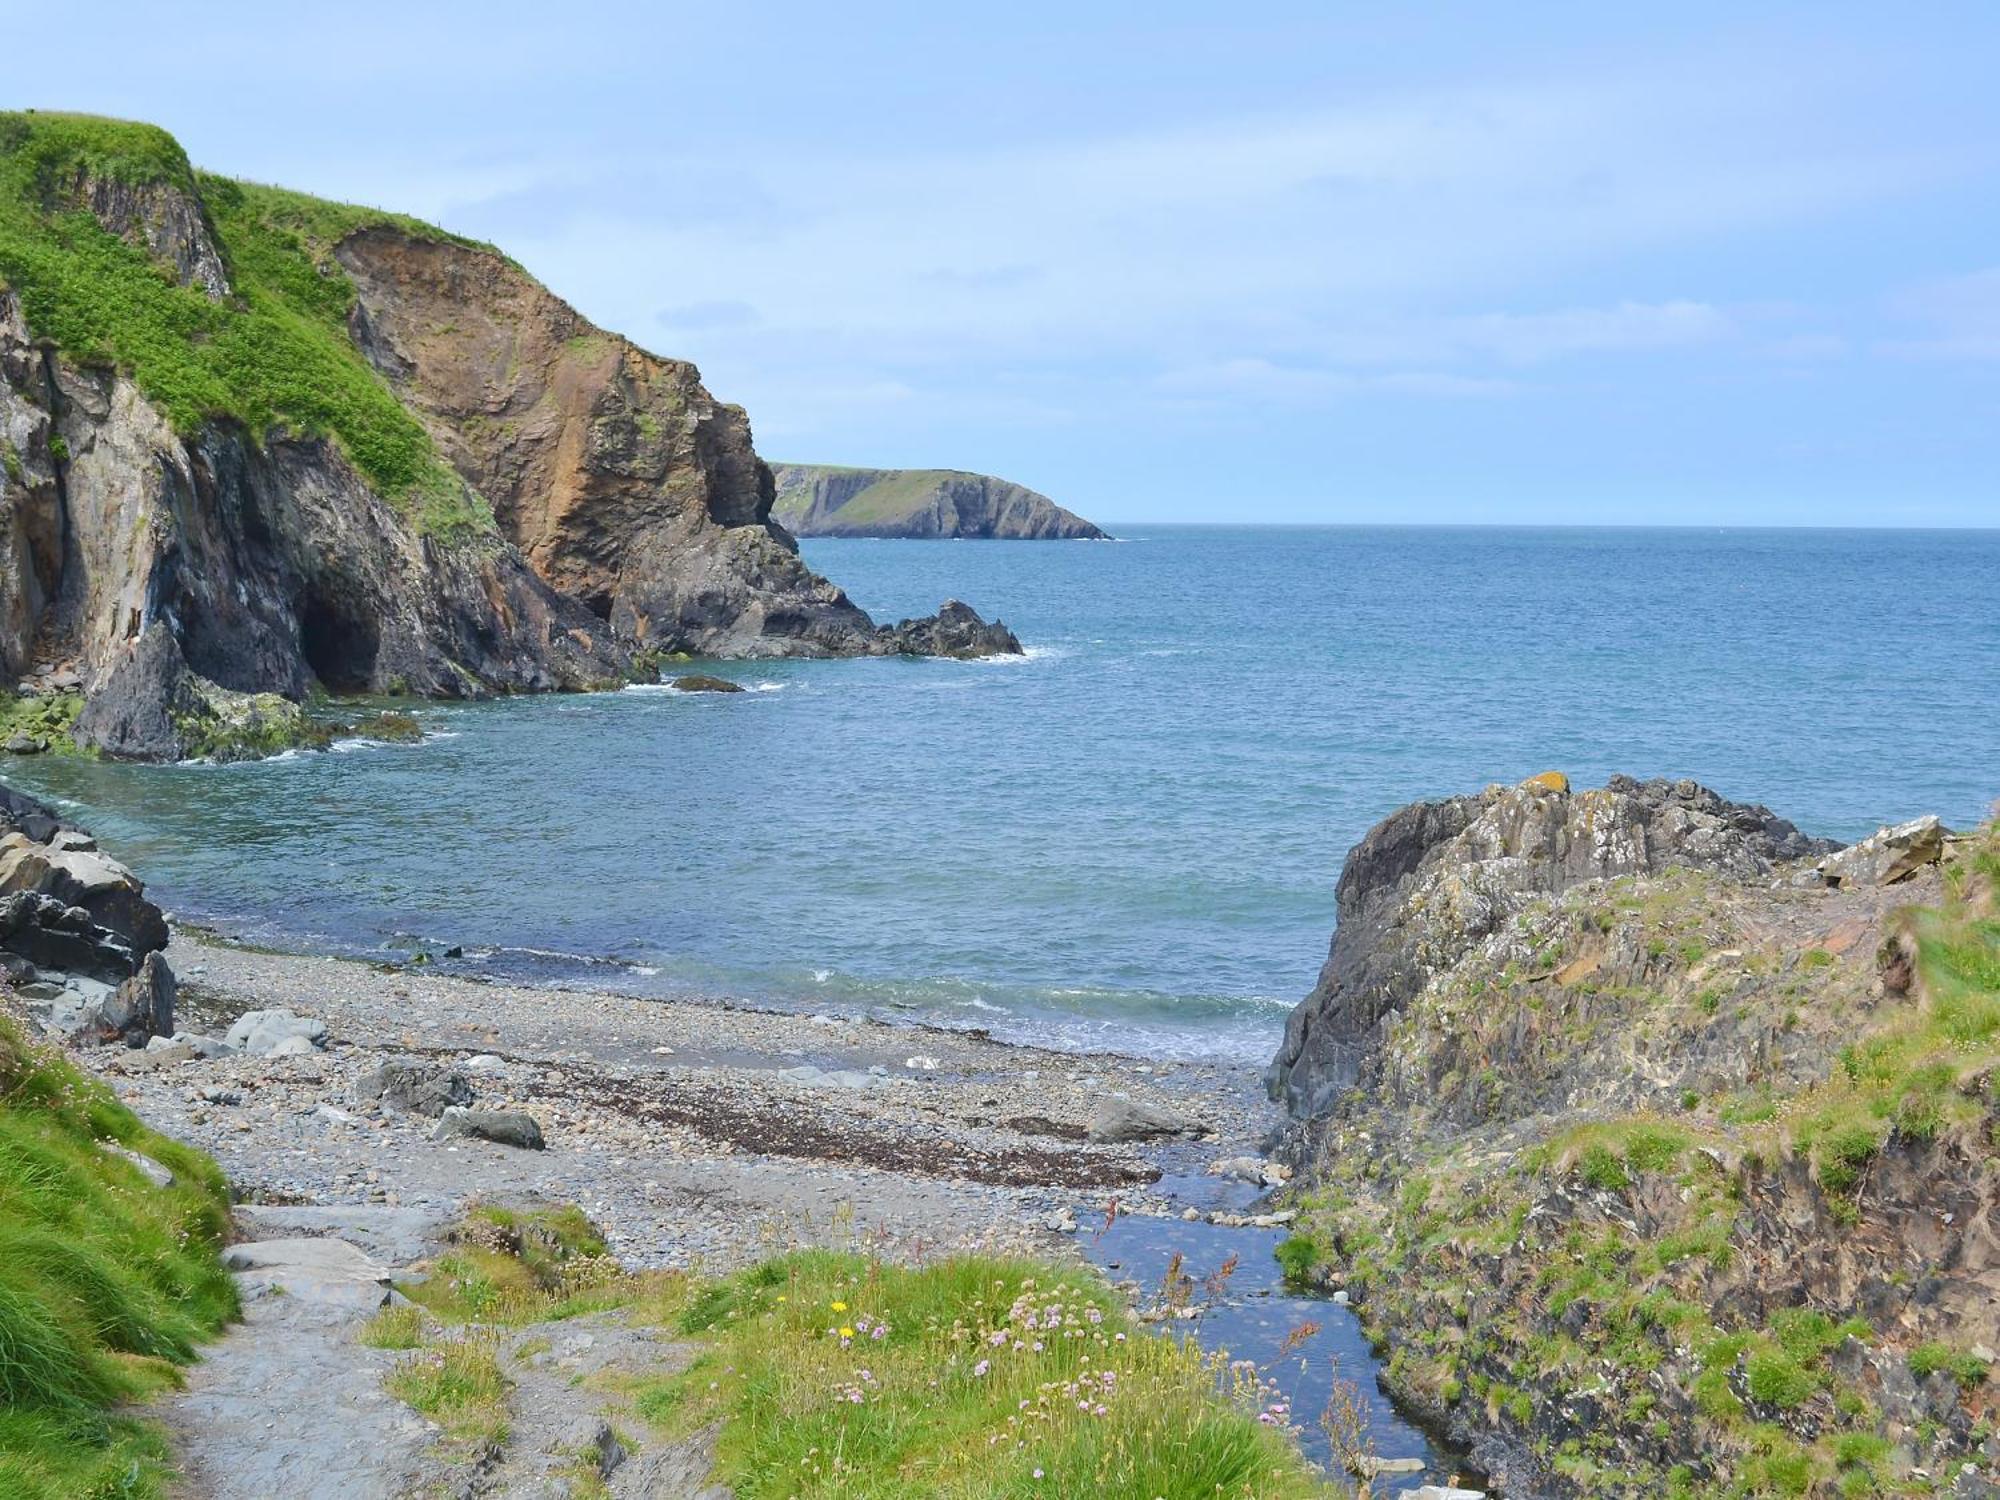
column 261, row 1032
column 1114, row 1120
column 419, row 1087
column 697, row 682
column 504, row 1127
column 1887, row 855
column 71, row 868
column 52, row 935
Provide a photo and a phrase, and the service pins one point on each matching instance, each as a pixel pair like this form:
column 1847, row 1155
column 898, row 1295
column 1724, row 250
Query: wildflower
column 1038, row 1473
column 846, row 1333
column 840, row 1307
column 981, row 1368
column 879, row 1332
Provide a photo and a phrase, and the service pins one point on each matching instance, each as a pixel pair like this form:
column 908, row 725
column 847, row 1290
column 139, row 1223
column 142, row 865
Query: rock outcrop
column 436, row 478
column 1433, row 879
column 926, row 504
column 1652, row 1140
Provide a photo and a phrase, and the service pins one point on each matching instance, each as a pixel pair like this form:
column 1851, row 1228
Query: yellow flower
column 847, row 1333
column 840, row 1307
column 783, row 1298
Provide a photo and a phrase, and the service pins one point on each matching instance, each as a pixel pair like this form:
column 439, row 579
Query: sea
column 1128, row 838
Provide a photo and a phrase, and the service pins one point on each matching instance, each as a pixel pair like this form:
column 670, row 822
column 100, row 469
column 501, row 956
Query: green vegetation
column 275, row 355
column 48, row 720
column 458, row 1385
column 510, row 1266
column 106, row 1282
column 1297, row 1257
column 974, row 1377
column 1966, row 1368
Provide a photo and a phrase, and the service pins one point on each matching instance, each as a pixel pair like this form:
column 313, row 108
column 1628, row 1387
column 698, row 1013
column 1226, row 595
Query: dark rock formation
column 697, row 682
column 955, row 630
column 1431, row 880
column 826, row 500
column 420, row 1088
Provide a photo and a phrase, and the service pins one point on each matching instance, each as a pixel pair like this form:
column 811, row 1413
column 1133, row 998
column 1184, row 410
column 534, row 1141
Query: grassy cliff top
column 274, row 354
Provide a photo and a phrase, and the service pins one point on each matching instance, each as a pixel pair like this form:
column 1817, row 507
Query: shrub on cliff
column 107, row 1281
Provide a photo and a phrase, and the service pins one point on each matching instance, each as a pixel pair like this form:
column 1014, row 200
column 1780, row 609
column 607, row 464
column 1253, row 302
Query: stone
column 291, row 1046
column 501, row 1126
column 261, row 1032
column 1548, row 781
column 830, row 1078
column 598, row 1446
column 1061, row 1221
column 1114, row 1120
column 1241, row 1168
column 148, row 998
column 1886, row 856
column 1368, row 1467
column 152, row 1171
column 326, row 1272
column 418, row 1087
column 697, row 682
column 25, row 744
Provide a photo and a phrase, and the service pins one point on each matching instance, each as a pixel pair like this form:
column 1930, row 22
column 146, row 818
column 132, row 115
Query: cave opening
column 339, row 644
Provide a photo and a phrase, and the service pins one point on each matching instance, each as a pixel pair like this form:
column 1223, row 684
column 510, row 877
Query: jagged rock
column 261, row 1032
column 148, row 998
column 1887, row 855
column 77, row 873
column 956, row 630
column 421, row 1088
column 1431, row 880
column 56, row 937
column 502, row 1126
column 24, row 744
column 696, row 682
column 1115, row 1120
column 825, row 500
column 151, row 1170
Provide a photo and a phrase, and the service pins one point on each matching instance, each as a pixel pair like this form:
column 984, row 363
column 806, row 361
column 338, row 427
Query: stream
column 1254, row 1316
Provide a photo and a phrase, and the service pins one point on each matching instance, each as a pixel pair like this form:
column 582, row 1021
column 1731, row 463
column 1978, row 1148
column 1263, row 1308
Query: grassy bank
column 107, row 1282
column 829, row 1374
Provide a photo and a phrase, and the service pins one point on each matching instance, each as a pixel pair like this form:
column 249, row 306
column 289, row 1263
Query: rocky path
column 290, row 1402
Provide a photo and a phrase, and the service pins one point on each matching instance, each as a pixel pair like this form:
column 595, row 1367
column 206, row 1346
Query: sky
column 1536, row 263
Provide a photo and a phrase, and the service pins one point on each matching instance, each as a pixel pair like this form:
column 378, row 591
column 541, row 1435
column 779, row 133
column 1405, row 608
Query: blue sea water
column 1131, row 837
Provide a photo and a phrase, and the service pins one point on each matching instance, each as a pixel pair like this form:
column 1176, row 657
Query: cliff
column 253, row 444
column 1653, row 1140
column 825, row 500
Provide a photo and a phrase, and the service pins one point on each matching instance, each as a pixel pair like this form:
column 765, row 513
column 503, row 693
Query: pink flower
column 981, row 1368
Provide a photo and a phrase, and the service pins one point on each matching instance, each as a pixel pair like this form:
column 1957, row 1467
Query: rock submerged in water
column 699, row 682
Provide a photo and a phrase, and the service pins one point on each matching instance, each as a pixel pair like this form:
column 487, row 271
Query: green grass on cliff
column 276, row 355
column 106, row 1282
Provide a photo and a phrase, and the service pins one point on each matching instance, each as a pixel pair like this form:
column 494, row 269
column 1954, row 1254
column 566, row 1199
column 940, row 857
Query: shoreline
column 695, row 1130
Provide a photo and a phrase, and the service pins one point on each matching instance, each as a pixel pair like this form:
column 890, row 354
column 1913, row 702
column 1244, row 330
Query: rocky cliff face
column 824, row 500
column 1431, row 880
column 334, row 449
column 1654, row 1141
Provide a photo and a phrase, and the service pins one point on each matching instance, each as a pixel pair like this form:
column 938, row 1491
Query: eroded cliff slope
column 253, row 443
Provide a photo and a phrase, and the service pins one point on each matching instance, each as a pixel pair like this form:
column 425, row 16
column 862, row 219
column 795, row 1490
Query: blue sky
column 1546, row 263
